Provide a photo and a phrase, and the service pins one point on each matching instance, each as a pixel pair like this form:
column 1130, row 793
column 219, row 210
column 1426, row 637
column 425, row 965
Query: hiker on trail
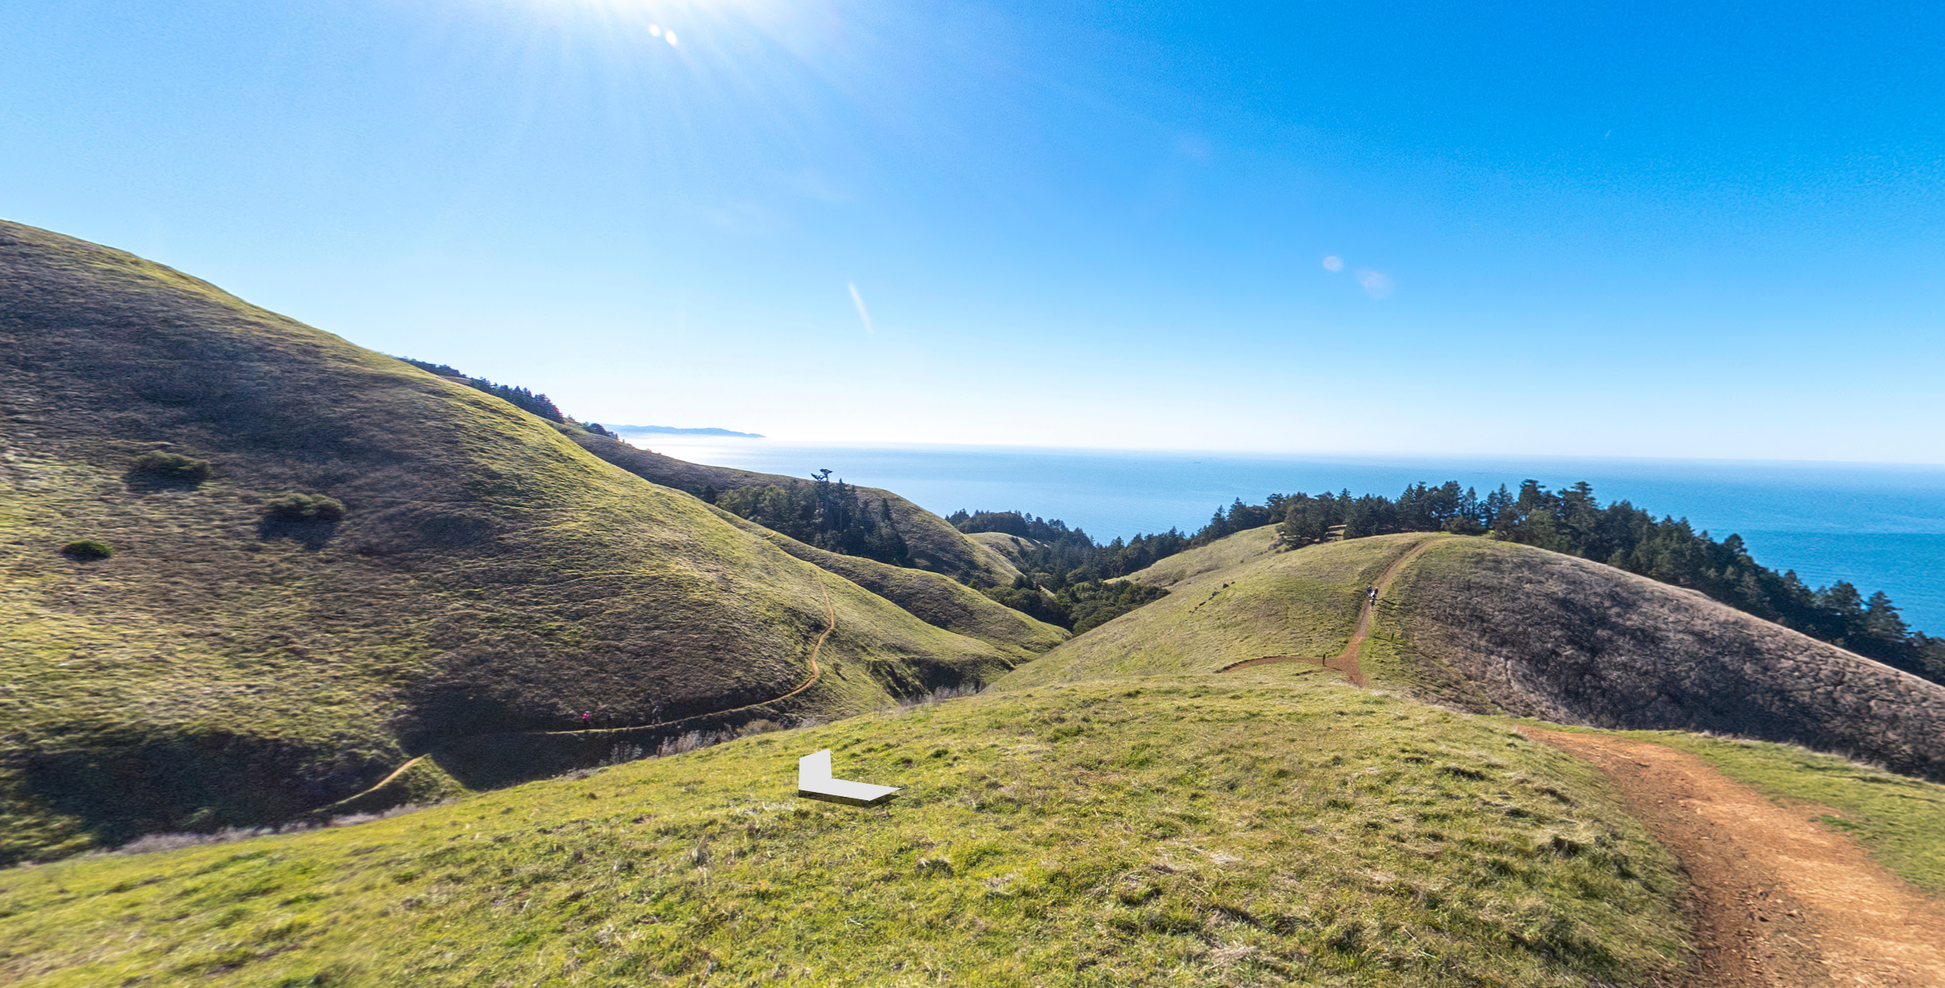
column 587, row 721
column 1373, row 592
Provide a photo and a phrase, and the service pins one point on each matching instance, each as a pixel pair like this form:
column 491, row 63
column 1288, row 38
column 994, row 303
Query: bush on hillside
column 86, row 549
column 296, row 507
column 173, row 466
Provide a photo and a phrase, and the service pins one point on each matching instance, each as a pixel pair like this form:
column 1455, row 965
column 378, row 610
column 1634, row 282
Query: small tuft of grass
column 299, row 508
column 173, row 467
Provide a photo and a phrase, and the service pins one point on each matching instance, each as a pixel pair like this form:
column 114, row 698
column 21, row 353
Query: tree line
column 521, row 398
column 1055, row 556
column 1570, row 521
column 825, row 513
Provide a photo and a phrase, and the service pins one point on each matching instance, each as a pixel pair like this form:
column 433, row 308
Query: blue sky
column 1527, row 229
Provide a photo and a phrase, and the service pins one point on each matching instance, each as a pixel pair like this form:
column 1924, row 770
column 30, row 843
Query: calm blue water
column 1881, row 527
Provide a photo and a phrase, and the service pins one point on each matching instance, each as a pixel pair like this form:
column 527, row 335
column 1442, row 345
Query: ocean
column 1881, row 527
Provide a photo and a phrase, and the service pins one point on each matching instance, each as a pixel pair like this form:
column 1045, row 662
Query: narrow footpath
column 1346, row 661
column 830, row 617
column 1777, row 898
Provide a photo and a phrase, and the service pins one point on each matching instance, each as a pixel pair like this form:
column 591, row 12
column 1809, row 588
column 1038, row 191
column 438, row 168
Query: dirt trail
column 830, row 625
column 1346, row 661
column 1778, row 900
column 830, row 618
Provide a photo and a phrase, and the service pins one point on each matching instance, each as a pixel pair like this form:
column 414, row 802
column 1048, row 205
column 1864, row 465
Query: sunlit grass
column 1252, row 829
column 1228, row 602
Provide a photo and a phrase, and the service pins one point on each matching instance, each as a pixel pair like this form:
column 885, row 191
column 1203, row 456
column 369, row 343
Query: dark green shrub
column 86, row 549
column 296, row 507
column 174, row 466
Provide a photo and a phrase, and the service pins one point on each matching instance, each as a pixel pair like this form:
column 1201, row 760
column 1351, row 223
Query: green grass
column 935, row 545
column 937, row 600
column 1898, row 819
column 488, row 575
column 1253, row 829
column 1228, row 602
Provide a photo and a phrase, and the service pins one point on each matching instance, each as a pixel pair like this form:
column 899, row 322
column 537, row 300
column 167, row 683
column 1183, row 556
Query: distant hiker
column 587, row 720
column 658, row 713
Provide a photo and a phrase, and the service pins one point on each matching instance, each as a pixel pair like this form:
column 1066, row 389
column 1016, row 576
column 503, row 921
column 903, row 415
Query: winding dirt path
column 1346, row 661
column 1777, row 899
column 830, row 618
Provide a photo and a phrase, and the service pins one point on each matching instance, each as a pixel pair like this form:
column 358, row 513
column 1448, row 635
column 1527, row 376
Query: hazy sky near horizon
column 1644, row 229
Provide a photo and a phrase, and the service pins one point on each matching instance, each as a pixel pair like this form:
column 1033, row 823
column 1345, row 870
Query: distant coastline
column 665, row 430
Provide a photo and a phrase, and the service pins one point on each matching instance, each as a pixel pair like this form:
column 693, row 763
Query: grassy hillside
column 934, row 599
column 936, row 546
column 1499, row 626
column 226, row 666
column 1008, row 546
column 1242, row 547
column 1493, row 627
column 1229, row 601
column 1260, row 828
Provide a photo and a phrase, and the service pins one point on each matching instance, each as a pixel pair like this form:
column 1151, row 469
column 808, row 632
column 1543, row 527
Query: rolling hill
column 936, row 546
column 316, row 561
column 1499, row 628
column 235, row 662
column 1503, row 627
column 1234, row 600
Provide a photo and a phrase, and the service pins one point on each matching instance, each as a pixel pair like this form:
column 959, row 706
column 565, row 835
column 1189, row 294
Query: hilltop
column 934, row 544
column 323, row 561
column 1499, row 628
column 1494, row 626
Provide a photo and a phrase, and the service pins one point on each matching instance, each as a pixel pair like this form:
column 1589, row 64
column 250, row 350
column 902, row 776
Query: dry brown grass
column 1564, row 639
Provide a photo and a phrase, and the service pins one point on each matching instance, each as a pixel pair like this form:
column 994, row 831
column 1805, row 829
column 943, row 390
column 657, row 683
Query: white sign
column 814, row 782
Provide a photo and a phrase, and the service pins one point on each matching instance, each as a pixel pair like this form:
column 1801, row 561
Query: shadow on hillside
column 491, row 761
column 123, row 787
column 312, row 534
column 146, row 482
